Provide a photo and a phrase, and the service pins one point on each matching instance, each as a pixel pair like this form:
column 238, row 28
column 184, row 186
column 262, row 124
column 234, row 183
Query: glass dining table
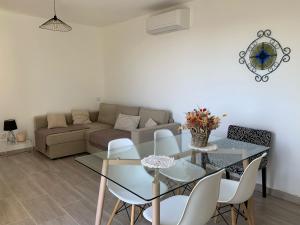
column 228, row 153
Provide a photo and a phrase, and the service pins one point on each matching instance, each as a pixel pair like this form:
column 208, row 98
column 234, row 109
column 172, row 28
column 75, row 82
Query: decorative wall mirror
column 264, row 55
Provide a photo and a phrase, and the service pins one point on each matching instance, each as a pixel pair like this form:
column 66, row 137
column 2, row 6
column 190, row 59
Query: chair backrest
column 165, row 143
column 247, row 182
column 253, row 136
column 124, row 148
column 202, row 201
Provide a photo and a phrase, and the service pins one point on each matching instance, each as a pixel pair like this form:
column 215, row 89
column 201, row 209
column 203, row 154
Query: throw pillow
column 56, row 120
column 81, row 117
column 150, row 123
column 127, row 122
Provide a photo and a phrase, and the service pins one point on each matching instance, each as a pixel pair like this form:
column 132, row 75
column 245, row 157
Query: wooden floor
column 37, row 191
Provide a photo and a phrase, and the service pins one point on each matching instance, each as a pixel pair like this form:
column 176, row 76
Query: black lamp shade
column 10, row 125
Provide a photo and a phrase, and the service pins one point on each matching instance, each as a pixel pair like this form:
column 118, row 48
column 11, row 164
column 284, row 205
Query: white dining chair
column 133, row 177
column 239, row 192
column 195, row 209
column 165, row 143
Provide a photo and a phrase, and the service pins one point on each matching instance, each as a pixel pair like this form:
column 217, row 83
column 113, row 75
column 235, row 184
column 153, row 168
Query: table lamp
column 10, row 126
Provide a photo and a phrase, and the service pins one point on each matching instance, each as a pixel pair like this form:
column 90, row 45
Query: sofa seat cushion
column 159, row 116
column 98, row 126
column 64, row 135
column 101, row 138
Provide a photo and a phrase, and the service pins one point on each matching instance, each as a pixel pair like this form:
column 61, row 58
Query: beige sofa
column 60, row 142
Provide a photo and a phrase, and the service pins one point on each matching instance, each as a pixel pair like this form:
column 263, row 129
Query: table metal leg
column 102, row 188
column 156, row 201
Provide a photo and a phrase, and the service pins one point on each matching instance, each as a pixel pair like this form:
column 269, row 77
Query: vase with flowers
column 200, row 122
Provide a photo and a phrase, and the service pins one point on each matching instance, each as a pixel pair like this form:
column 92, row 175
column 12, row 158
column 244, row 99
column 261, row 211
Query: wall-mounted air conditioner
column 175, row 20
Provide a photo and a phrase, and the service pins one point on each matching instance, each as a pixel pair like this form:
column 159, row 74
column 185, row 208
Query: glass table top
column 125, row 171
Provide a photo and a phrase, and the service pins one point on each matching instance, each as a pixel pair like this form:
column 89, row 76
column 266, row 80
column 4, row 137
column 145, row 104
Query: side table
column 7, row 149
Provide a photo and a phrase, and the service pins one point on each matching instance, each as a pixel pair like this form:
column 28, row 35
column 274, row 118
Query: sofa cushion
column 98, row 126
column 107, row 113
column 101, row 138
column 127, row 122
column 127, row 110
column 56, row 120
column 64, row 135
column 95, row 127
column 150, row 123
column 159, row 116
column 81, row 117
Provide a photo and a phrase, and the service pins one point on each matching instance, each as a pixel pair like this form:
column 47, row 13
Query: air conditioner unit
column 175, row 20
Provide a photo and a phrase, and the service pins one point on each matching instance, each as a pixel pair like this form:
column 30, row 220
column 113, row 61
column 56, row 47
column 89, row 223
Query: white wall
column 43, row 71
column 199, row 66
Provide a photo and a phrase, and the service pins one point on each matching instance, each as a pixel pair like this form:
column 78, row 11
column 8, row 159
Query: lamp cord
column 54, row 8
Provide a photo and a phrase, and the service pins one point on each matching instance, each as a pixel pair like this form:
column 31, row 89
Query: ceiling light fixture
column 55, row 24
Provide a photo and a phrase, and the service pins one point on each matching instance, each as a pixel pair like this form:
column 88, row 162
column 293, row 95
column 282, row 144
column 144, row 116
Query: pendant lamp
column 55, row 24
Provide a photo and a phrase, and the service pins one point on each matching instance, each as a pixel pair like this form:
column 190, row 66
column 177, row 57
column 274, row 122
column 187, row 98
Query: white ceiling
column 89, row 12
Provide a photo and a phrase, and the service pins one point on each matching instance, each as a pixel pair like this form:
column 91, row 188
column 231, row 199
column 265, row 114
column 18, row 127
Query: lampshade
column 10, row 125
column 56, row 24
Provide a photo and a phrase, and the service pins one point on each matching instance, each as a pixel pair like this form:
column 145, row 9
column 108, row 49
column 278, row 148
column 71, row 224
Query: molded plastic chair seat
column 183, row 171
column 240, row 192
column 128, row 197
column 171, row 210
column 195, row 209
column 134, row 177
column 228, row 189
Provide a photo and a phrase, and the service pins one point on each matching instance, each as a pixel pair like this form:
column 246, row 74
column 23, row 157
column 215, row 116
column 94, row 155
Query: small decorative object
column 10, row 126
column 158, row 162
column 55, row 24
column 264, row 55
column 208, row 148
column 21, row 136
column 200, row 122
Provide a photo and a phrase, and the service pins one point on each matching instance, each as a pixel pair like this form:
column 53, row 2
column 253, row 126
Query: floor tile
column 4, row 190
column 24, row 222
column 11, row 211
column 43, row 209
column 64, row 220
column 63, row 193
column 82, row 211
column 26, row 189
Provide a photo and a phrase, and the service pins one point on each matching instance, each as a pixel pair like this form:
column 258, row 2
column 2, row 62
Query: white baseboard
column 280, row 194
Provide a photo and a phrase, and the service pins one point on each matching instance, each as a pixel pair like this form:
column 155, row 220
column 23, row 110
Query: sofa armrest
column 147, row 134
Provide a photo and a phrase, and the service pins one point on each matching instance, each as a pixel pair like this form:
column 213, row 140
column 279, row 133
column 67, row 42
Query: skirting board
column 280, row 194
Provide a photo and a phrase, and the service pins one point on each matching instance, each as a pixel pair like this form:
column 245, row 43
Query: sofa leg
column 264, row 181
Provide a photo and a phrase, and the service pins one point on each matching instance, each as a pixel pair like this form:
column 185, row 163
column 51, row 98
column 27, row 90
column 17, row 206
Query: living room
column 109, row 56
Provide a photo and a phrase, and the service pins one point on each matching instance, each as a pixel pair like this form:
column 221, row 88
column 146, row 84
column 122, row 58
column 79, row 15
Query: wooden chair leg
column 113, row 212
column 233, row 215
column 251, row 209
column 132, row 215
column 244, row 207
column 264, row 182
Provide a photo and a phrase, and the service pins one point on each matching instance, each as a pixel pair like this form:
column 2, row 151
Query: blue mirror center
column 262, row 56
